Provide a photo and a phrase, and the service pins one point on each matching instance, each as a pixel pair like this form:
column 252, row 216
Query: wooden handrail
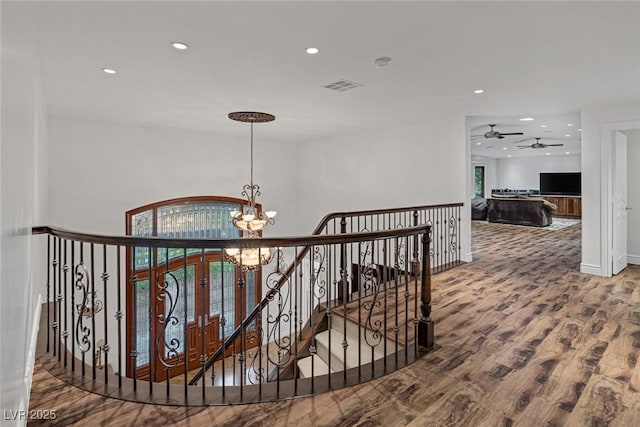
column 243, row 243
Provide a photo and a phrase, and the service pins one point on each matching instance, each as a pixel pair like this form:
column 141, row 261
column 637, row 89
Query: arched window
column 214, row 308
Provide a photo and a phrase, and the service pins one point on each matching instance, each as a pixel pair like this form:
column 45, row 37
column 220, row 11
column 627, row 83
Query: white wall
column 633, row 195
column 593, row 119
column 490, row 173
column 402, row 166
column 422, row 163
column 99, row 170
column 524, row 173
column 23, row 154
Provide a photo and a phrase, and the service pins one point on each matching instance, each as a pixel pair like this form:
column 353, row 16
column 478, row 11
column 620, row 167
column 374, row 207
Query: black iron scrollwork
column 372, row 332
column 82, row 332
column 318, row 287
column 281, row 352
column 168, row 349
column 255, row 368
column 453, row 234
column 278, row 350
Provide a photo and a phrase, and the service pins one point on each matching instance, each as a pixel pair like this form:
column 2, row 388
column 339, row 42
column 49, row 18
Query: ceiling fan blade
column 512, row 133
column 553, row 145
column 523, row 146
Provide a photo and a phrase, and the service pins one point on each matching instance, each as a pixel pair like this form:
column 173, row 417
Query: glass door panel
column 222, row 276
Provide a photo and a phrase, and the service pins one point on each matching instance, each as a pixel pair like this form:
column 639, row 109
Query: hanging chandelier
column 251, row 220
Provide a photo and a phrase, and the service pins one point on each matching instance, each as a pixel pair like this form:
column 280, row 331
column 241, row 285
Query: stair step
column 337, row 350
column 354, row 332
column 319, row 367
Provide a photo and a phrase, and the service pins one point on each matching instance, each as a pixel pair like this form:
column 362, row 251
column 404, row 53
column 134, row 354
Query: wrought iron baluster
column 134, row 320
column 118, row 314
column 54, row 302
column 203, row 285
column 73, row 312
column 151, row 315
column 59, row 300
column 65, row 332
column 105, row 348
column 185, row 320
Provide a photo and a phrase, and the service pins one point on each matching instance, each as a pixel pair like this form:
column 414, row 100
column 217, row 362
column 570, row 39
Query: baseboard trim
column 591, row 269
column 633, row 259
column 468, row 257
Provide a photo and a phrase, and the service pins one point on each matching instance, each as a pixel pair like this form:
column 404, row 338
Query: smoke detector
column 383, row 61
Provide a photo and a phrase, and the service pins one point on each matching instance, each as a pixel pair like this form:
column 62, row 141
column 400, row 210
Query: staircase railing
column 380, row 275
column 444, row 224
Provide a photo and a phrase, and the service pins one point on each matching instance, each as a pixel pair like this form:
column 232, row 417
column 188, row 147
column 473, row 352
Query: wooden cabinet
column 567, row 205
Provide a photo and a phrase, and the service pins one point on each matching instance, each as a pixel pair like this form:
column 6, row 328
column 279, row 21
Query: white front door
column 619, row 202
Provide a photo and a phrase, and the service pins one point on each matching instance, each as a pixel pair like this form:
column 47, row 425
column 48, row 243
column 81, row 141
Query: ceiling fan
column 537, row 144
column 494, row 133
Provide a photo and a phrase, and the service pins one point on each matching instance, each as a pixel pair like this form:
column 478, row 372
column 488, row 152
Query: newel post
column 425, row 323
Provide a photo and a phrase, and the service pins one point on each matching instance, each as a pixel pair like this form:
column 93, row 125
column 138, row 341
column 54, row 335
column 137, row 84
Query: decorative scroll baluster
column 167, row 349
column 82, row 332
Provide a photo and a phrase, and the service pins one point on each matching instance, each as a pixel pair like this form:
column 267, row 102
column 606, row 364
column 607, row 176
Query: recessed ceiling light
column 567, row 152
column 568, row 135
column 526, row 119
column 180, row 45
column 579, row 129
column 504, row 148
column 548, row 154
column 509, row 155
column 109, row 71
column 312, row 50
column 478, row 143
column 478, row 91
column 569, row 124
column 543, row 126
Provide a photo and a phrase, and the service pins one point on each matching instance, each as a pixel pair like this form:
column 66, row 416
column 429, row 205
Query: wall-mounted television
column 561, row 183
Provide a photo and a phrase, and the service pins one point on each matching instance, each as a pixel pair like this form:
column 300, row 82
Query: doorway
column 185, row 301
column 615, row 234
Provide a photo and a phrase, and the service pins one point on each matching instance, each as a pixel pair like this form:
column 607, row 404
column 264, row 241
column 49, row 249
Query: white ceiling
column 531, row 58
column 551, row 129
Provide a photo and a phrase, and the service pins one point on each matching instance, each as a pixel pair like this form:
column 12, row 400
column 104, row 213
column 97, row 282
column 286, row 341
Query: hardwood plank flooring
column 525, row 340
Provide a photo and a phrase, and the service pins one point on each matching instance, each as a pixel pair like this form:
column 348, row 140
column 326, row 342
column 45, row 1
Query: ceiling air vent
column 342, row 85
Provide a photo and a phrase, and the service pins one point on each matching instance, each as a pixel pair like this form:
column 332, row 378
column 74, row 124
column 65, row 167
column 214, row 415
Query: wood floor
column 526, row 340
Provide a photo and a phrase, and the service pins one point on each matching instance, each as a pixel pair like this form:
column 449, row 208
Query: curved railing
column 377, row 280
column 444, row 223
